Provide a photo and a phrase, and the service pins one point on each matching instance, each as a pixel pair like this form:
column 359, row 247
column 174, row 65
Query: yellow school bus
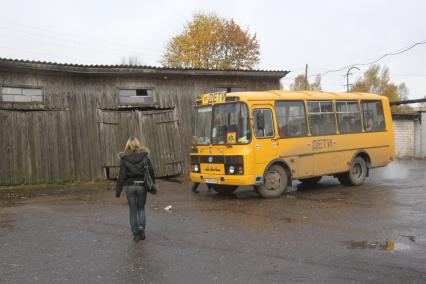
column 268, row 139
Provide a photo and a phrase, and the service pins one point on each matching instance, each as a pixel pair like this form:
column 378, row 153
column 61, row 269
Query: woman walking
column 133, row 163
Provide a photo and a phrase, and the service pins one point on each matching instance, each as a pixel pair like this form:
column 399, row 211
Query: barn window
column 136, row 96
column 21, row 95
column 231, row 89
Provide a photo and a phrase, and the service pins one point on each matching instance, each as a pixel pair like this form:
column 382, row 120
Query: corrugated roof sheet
column 103, row 69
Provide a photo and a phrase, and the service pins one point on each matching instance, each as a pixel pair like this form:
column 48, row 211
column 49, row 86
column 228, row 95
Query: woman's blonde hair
column 132, row 144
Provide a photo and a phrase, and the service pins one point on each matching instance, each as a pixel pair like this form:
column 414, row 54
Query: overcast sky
column 324, row 34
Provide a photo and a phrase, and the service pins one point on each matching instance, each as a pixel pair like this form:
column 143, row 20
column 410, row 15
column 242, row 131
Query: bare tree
column 317, row 84
column 403, row 92
column 131, row 60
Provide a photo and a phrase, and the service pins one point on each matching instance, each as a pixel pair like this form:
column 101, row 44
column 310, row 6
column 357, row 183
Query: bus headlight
column 196, row 168
column 231, row 170
column 234, row 169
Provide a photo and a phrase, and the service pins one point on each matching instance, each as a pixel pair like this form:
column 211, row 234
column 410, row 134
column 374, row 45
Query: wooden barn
column 64, row 122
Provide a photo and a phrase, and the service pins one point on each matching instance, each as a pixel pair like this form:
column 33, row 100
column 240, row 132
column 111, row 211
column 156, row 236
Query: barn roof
column 7, row 63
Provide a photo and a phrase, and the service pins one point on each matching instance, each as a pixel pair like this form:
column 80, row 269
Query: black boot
column 137, row 238
column 195, row 187
column 142, row 233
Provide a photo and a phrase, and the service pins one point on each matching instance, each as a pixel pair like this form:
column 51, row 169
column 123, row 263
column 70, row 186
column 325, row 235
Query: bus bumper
column 223, row 179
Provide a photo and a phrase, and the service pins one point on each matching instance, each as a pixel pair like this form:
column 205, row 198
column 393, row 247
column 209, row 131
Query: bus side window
column 348, row 116
column 268, row 127
column 374, row 119
column 291, row 119
column 321, row 117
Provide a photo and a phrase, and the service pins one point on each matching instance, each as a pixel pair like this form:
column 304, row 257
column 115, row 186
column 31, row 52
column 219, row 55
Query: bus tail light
column 240, row 169
column 234, row 169
column 234, row 165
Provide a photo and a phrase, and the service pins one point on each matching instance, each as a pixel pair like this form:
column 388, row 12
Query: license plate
column 211, row 180
column 214, row 169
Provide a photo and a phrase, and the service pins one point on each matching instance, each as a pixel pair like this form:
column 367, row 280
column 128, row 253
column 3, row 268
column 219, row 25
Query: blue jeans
column 136, row 198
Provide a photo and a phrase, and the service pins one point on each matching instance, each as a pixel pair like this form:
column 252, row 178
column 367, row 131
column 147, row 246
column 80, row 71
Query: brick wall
column 404, row 137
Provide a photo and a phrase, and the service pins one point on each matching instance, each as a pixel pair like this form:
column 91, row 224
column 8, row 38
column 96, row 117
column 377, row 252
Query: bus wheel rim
column 357, row 171
column 273, row 180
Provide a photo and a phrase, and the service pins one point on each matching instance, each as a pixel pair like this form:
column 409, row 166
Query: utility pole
column 347, row 77
column 306, row 77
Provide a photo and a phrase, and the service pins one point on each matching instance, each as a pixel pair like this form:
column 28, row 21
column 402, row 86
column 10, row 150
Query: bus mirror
column 260, row 121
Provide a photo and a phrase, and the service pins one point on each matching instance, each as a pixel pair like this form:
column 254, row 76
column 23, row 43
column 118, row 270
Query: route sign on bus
column 213, row 98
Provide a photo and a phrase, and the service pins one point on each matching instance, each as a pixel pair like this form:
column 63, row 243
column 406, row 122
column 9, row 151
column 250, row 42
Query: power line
column 73, row 35
column 408, row 75
column 76, row 39
column 71, row 44
column 399, row 51
column 65, row 59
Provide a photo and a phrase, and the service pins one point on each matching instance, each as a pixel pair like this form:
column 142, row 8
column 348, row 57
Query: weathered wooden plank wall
column 4, row 148
column 157, row 130
column 32, row 151
column 80, row 126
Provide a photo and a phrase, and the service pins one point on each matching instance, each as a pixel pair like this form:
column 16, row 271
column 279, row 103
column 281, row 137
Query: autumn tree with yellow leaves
column 210, row 42
column 301, row 83
column 376, row 80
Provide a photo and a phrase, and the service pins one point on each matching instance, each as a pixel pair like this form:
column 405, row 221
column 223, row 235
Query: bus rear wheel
column 275, row 182
column 357, row 173
column 223, row 189
column 310, row 181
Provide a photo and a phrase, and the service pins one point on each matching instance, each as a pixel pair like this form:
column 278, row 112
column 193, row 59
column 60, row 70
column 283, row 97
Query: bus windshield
column 202, row 127
column 230, row 124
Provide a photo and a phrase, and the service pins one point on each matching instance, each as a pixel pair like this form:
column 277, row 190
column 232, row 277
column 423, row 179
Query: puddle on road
column 6, row 224
column 378, row 245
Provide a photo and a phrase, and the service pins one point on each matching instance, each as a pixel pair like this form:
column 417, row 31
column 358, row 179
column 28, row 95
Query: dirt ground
column 374, row 233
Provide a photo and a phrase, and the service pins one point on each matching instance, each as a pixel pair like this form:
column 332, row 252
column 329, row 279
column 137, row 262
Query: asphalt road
column 375, row 233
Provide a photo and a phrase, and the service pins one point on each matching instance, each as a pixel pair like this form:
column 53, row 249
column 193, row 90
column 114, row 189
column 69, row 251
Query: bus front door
column 265, row 142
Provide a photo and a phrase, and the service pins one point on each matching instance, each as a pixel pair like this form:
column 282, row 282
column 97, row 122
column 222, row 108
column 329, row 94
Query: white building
column 410, row 134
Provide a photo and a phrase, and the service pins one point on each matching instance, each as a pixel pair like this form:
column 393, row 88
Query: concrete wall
column 421, row 153
column 417, row 139
column 404, row 137
column 410, row 135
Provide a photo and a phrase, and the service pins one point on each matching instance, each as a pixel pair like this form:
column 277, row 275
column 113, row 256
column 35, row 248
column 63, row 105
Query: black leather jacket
column 132, row 167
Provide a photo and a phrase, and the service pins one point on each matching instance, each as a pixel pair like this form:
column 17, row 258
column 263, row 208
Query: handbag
column 148, row 181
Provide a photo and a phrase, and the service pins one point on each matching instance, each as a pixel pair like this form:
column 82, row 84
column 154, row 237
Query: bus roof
column 303, row 95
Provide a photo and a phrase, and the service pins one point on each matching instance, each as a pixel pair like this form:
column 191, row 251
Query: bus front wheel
column 223, row 189
column 275, row 182
column 357, row 173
